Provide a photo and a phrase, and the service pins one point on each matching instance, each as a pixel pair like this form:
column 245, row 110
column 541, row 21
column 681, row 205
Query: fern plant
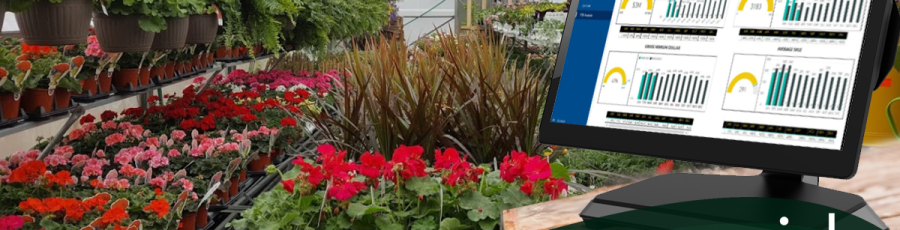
column 264, row 16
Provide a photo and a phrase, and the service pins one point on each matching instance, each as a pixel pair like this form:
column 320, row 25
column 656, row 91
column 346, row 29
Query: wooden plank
column 875, row 181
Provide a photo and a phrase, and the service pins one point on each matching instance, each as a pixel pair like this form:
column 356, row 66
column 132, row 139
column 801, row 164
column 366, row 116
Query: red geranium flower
column 108, row 115
column 513, row 166
column 408, row 162
column 61, row 178
column 372, row 165
column 288, row 185
column 554, row 187
column 160, row 207
column 115, row 215
column 250, row 118
column 288, row 122
column 28, row 172
column 527, row 188
column 344, row 190
column 665, row 167
column 87, row 119
column 446, row 160
column 536, row 169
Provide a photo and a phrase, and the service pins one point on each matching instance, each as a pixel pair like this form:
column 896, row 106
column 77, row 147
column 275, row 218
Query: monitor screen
column 764, row 71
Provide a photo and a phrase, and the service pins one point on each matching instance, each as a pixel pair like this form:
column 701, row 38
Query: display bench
column 22, row 136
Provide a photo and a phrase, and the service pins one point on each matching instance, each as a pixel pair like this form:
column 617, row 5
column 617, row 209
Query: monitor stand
column 677, row 188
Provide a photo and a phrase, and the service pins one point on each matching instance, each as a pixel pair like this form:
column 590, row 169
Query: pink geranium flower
column 114, row 139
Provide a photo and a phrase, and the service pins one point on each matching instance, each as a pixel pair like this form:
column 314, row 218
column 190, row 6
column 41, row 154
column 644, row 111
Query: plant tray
column 14, row 121
column 157, row 81
column 228, row 59
column 132, row 89
column 92, row 98
column 46, row 115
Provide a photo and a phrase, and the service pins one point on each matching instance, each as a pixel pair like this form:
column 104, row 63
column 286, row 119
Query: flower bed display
column 159, row 168
column 330, row 192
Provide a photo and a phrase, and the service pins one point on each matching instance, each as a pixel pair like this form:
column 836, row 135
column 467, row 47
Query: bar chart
column 672, row 81
column 677, row 88
column 796, row 86
column 822, row 14
column 690, row 13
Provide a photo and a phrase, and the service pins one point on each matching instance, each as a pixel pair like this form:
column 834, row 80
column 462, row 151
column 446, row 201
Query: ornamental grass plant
column 469, row 96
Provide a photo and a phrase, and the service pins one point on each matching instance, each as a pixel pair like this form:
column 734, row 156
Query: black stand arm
column 890, row 46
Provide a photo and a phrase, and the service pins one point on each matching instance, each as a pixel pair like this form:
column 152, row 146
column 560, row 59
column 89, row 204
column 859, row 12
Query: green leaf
column 423, row 185
column 288, row 219
column 473, row 200
column 387, row 224
column 488, row 224
column 485, row 213
column 152, row 24
column 357, row 210
column 560, row 171
column 452, row 224
column 513, row 197
column 424, row 224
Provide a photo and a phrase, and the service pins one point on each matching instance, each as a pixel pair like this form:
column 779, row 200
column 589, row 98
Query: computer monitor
column 778, row 85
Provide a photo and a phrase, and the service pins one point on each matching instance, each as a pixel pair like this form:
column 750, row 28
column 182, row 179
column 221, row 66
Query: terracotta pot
column 211, row 58
column 195, row 62
column 124, row 77
column 261, row 163
column 234, row 186
column 158, row 72
column 174, row 36
column 223, row 52
column 55, row 24
column 105, row 80
column 244, row 51
column 203, row 28
column 179, row 68
column 145, row 76
column 10, row 106
column 89, row 86
column 223, row 196
column 243, row 175
column 188, row 66
column 170, row 70
column 188, row 221
column 35, row 99
column 202, row 216
column 235, row 52
column 204, row 63
column 62, row 98
column 121, row 33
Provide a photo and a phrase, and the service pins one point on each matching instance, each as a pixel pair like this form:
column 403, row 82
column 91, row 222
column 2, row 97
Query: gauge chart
column 743, row 85
column 754, row 13
column 635, row 12
column 821, row 14
column 810, row 87
column 615, row 80
column 671, row 81
column 690, row 13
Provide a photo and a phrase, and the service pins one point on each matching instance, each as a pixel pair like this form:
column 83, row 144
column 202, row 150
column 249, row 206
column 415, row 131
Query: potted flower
column 204, row 23
column 127, row 26
column 131, row 72
column 11, row 85
column 175, row 32
column 52, row 22
column 51, row 71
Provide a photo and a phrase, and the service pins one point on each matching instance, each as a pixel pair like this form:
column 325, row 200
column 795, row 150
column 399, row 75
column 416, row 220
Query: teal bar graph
column 641, row 91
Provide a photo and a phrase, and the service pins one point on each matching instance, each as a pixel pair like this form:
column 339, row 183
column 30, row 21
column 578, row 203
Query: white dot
column 784, row 221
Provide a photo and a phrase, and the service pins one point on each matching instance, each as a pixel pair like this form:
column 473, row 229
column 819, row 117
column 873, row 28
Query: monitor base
column 677, row 188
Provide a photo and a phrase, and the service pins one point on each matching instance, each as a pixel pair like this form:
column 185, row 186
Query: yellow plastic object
column 878, row 130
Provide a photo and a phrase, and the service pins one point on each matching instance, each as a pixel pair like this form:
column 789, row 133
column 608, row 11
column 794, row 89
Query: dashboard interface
column 769, row 71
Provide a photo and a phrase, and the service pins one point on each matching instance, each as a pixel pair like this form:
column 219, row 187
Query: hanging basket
column 174, row 36
column 3, row 8
column 121, row 33
column 203, row 28
column 55, row 24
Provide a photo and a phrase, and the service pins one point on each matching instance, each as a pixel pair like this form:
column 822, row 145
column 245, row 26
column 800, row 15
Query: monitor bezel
column 770, row 157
